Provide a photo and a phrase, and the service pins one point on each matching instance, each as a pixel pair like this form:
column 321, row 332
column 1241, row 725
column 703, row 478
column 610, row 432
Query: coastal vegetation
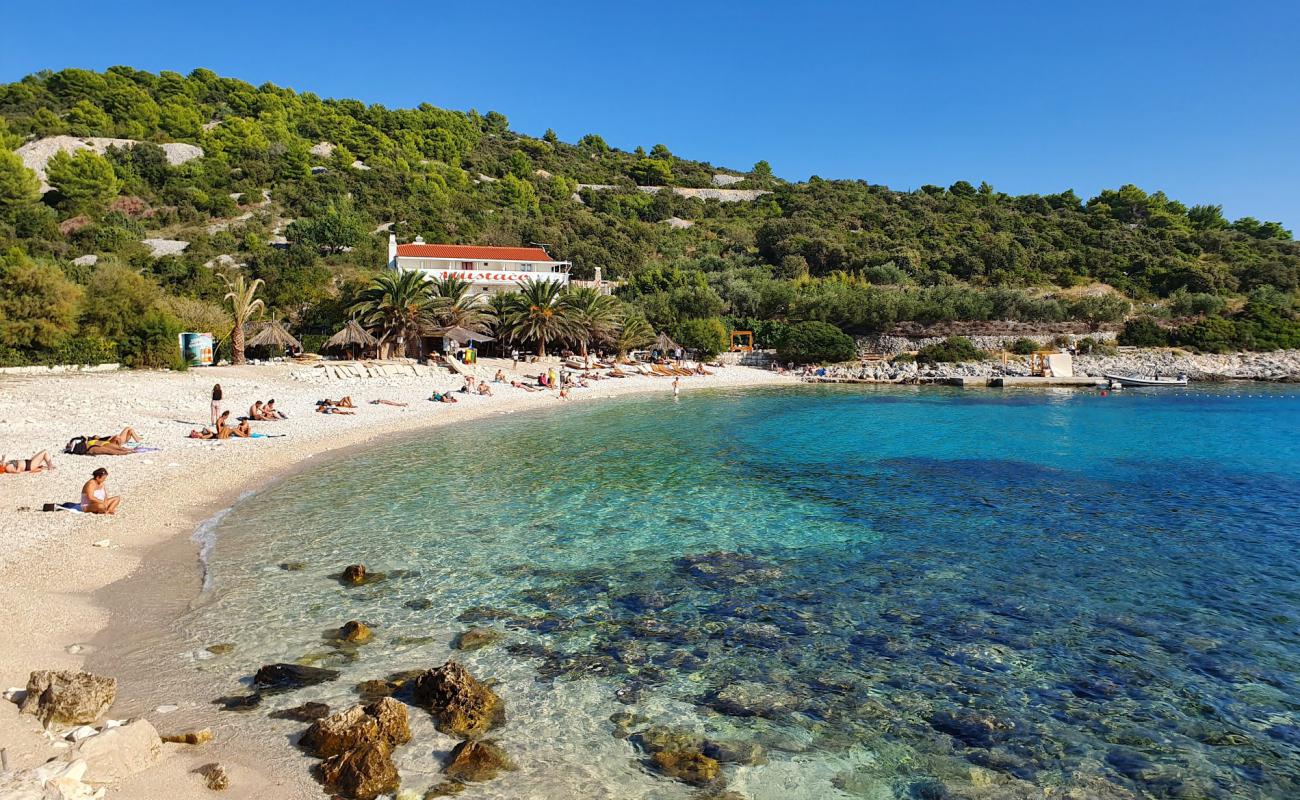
column 300, row 192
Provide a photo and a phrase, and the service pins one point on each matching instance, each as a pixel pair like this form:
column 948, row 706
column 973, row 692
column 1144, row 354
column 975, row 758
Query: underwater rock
column 751, row 699
column 444, row 789
column 460, row 704
column 735, row 569
column 687, row 766
column 220, row 649
column 374, row 689
column 307, row 712
column 972, row 728
column 239, row 702
column 355, row 632
column 476, row 760
column 419, row 604
column 661, row 738
column 67, row 698
column 729, row 751
column 292, row 566
column 354, row 574
column 284, row 677
column 364, row 772
column 476, row 638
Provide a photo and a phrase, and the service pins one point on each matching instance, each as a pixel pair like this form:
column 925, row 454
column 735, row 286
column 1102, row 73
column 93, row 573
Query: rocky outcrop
column 384, row 720
column 36, row 155
column 120, row 752
column 460, row 704
column 476, row 760
column 68, row 698
column 364, row 772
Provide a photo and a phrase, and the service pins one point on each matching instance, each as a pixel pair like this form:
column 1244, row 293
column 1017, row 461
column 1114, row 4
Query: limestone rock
column 687, row 766
column 120, row 752
column 364, row 773
column 214, row 775
column 476, row 638
column 390, row 716
column 354, row 574
column 476, row 760
column 291, row 676
column 461, row 705
column 193, row 737
column 355, row 632
column 307, row 712
column 444, row 789
column 68, row 698
column 382, row 721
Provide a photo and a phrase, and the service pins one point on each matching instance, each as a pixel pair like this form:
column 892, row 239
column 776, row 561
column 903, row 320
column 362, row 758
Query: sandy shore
column 84, row 592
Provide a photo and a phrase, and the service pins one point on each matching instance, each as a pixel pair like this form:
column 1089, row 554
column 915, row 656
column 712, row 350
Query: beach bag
column 76, row 446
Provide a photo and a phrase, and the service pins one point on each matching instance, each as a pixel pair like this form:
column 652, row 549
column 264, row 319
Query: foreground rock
column 384, row 721
column 214, row 776
column 68, row 698
column 57, row 780
column 476, row 760
column 364, row 772
column 460, row 704
column 120, row 752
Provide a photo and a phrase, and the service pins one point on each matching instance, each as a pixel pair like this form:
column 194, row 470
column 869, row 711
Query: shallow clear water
column 895, row 592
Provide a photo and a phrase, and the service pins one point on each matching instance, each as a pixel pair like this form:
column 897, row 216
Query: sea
column 835, row 592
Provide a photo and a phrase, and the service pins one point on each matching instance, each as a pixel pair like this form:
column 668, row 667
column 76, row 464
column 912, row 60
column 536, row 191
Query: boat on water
column 1145, row 380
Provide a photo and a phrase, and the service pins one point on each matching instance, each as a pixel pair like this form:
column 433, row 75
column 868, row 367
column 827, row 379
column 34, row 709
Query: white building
column 488, row 269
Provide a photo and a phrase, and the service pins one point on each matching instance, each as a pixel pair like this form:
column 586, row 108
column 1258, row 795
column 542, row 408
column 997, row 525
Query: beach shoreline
column 86, row 592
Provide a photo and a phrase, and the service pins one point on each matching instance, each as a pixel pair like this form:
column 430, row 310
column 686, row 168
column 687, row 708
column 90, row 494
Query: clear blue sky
column 1200, row 99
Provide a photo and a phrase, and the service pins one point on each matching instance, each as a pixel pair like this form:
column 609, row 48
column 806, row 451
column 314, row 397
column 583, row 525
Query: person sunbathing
column 524, row 386
column 104, row 445
column 223, row 430
column 346, row 402
column 94, row 497
column 443, row 397
column 326, row 408
column 37, row 463
column 484, row 390
column 388, row 403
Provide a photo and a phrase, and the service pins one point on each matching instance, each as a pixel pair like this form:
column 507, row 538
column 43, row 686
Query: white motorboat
column 1145, row 380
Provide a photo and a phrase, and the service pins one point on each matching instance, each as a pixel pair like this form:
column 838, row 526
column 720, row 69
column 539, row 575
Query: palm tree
column 538, row 314
column 454, row 307
column 244, row 306
column 634, row 332
column 596, row 314
column 399, row 305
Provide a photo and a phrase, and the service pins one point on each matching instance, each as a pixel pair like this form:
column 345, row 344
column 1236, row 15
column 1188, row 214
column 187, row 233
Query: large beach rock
column 461, row 705
column 364, row 772
column 476, row 760
column 120, row 752
column 355, row 632
column 384, row 721
column 283, row 677
column 68, row 698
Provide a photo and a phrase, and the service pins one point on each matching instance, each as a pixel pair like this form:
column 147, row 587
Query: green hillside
column 860, row 256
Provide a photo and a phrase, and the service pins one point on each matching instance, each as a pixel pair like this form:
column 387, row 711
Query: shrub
column 949, row 351
column 707, row 337
column 1088, row 346
column 1023, row 346
column 153, row 342
column 1143, row 332
column 809, row 342
column 1210, row 335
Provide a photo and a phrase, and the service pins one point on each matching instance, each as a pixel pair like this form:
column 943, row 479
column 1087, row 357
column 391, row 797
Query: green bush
column 1024, row 346
column 707, row 337
column 1210, row 335
column 153, row 342
column 950, row 351
column 1088, row 346
column 1143, row 332
column 816, row 342
column 313, row 342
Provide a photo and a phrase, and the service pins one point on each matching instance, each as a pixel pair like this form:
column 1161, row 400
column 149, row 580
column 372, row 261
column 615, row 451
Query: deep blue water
column 895, row 592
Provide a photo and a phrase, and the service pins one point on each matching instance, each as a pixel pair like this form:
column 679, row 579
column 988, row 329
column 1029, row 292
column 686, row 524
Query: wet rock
column 729, row 751
column 476, row 638
column 363, row 773
column 728, row 569
column 444, row 789
column 120, row 752
column 689, row 767
column 354, row 574
column 284, row 677
column 383, row 721
column 214, row 776
column 972, row 728
column 485, row 614
column 752, row 699
column 661, row 738
column 239, row 702
column 476, row 760
column 460, row 704
column 68, row 698
column 193, row 737
column 307, row 712
column 375, row 689
column 355, row 632
column 224, row 648
column 926, row 789
column 624, row 722
column 294, row 566
column 419, row 604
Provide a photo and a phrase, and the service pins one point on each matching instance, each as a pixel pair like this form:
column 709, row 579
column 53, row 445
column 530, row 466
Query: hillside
column 301, row 191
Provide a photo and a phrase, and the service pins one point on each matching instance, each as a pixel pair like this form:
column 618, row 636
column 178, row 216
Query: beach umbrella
column 352, row 335
column 665, row 344
column 274, row 335
column 464, row 335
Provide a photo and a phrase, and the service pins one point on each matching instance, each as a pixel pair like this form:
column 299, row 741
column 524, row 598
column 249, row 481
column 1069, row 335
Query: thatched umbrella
column 352, row 335
column 274, row 336
column 665, row 344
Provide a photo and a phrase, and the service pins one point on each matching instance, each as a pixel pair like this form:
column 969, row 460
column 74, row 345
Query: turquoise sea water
column 894, row 593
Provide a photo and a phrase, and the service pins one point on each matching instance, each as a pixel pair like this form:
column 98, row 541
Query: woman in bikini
column 37, row 463
column 94, row 497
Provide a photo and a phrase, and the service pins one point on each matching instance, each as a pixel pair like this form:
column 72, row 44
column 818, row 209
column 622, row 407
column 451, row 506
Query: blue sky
column 1199, row 99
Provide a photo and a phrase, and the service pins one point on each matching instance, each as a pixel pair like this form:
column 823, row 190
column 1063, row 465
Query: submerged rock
column 283, row 677
column 68, row 698
column 460, row 704
column 355, row 632
column 307, row 712
column 476, row 638
column 735, row 752
column 354, row 574
column 660, row 738
column 751, row 699
column 221, row 649
column 476, row 760
column 364, row 773
column 687, row 766
column 292, row 566
column 972, row 728
column 239, row 702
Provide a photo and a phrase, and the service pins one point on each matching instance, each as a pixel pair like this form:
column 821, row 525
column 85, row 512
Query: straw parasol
column 274, row 335
column 352, row 335
column 665, row 344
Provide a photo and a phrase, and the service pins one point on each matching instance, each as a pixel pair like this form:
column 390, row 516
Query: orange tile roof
column 473, row 252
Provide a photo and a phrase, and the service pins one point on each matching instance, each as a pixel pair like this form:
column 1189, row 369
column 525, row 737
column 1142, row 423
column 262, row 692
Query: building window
column 467, row 265
column 526, row 267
